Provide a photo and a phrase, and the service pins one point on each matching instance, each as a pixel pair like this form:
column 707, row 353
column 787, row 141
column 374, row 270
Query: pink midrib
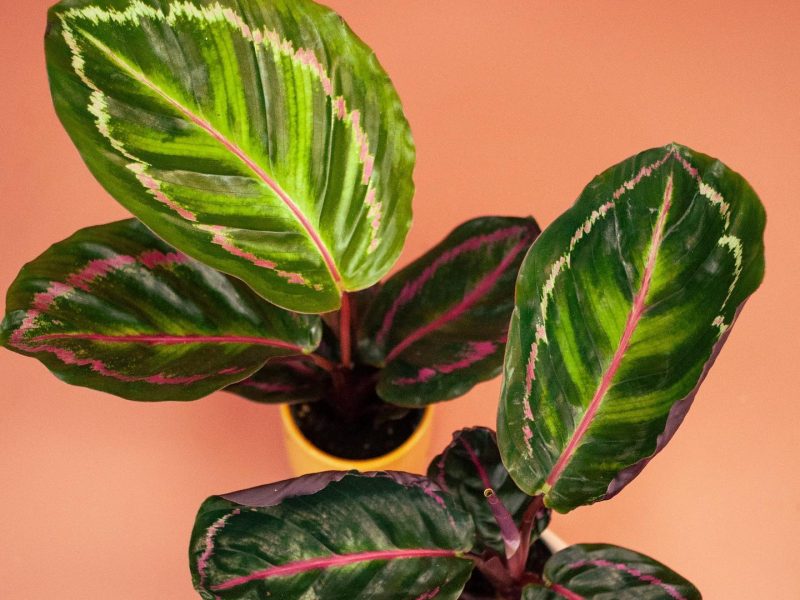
column 482, row 474
column 336, row 560
column 239, row 153
column 630, row 327
column 468, row 301
column 565, row 593
column 165, row 339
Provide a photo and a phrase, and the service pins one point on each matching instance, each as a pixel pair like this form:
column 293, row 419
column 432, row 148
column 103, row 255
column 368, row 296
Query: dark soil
column 372, row 434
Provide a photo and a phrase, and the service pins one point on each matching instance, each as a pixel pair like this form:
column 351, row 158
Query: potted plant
column 266, row 156
column 622, row 305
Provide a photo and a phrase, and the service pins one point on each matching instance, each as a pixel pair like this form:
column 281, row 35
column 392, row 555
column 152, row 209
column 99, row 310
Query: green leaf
column 262, row 138
column 603, row 572
column 466, row 469
column 285, row 380
column 439, row 326
column 382, row 536
column 116, row 309
column 622, row 305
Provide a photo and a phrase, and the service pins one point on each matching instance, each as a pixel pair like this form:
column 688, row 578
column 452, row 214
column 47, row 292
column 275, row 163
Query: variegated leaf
column 622, row 305
column 285, row 380
column 262, row 138
column 600, row 571
column 439, row 326
column 466, row 469
column 116, row 309
column 376, row 536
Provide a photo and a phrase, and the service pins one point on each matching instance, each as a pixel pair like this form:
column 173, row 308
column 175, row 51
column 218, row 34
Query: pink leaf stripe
column 475, row 352
column 162, row 339
column 268, row 388
column 630, row 326
column 232, row 147
column 430, row 595
column 482, row 474
column 563, row 263
column 650, row 579
column 333, row 561
column 258, row 37
column 81, row 282
column 219, row 237
column 412, row 288
column 565, row 593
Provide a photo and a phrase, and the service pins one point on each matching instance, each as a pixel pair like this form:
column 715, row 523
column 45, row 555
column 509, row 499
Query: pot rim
column 343, row 464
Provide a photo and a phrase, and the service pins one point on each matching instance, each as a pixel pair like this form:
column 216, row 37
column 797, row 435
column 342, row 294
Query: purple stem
column 516, row 563
column 508, row 529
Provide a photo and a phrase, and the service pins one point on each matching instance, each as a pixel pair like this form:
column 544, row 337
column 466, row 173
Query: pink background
column 514, row 106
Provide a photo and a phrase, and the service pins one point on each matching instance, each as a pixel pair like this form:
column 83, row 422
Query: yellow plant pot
column 304, row 457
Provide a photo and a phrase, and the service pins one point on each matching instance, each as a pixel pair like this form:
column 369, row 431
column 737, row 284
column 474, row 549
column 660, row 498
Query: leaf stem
column 505, row 522
column 516, row 563
column 322, row 362
column 345, row 344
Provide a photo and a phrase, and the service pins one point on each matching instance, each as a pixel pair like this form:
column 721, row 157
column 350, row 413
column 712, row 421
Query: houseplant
column 278, row 155
column 622, row 306
column 549, row 427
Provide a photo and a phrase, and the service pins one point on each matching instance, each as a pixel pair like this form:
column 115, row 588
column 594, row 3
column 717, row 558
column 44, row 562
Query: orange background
column 514, row 107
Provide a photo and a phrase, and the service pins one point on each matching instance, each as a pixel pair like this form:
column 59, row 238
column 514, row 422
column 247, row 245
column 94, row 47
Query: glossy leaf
column 262, row 138
column 622, row 305
column 439, row 325
column 382, row 536
column 289, row 380
column 604, row 572
column 466, row 469
column 116, row 309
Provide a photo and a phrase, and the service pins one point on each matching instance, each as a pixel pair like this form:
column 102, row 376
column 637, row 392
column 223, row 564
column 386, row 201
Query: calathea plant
column 265, row 154
column 622, row 305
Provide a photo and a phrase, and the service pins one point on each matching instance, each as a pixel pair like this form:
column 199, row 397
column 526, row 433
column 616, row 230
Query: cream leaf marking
column 215, row 13
column 475, row 352
column 233, row 149
column 633, row 572
column 731, row 242
column 202, row 560
column 484, row 286
column 333, row 561
column 81, row 281
column 634, row 316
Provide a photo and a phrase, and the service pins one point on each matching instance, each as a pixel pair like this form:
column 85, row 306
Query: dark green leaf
column 470, row 465
column 116, row 309
column 622, row 305
column 293, row 379
column 603, row 572
column 262, row 138
column 382, row 536
column 439, row 326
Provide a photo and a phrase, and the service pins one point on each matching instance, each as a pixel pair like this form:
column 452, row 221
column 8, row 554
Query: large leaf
column 439, row 326
column 466, row 469
column 116, row 309
column 382, row 536
column 262, row 138
column 291, row 380
column 622, row 305
column 603, row 572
